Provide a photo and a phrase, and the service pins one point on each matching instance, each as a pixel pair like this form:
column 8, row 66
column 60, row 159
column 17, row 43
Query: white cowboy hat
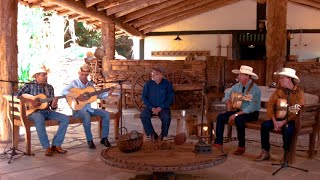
column 85, row 69
column 39, row 69
column 246, row 70
column 288, row 72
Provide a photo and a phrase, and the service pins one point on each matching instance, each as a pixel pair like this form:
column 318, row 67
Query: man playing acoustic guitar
column 40, row 87
column 82, row 105
column 243, row 103
column 288, row 91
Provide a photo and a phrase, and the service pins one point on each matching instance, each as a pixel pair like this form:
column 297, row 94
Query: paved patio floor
column 83, row 163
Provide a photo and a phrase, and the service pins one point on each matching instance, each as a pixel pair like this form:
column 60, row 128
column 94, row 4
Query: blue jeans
column 39, row 117
column 85, row 115
column 165, row 117
column 239, row 122
column 287, row 134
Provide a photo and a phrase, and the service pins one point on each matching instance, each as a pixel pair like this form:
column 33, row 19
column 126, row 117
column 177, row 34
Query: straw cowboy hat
column 39, row 69
column 288, row 72
column 246, row 70
column 85, row 69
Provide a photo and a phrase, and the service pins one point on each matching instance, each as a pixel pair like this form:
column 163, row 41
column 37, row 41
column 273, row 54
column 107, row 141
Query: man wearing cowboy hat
column 157, row 96
column 249, row 110
column 87, row 110
column 290, row 91
column 40, row 86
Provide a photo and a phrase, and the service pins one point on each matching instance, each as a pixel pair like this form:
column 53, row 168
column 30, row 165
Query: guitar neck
column 50, row 99
column 98, row 92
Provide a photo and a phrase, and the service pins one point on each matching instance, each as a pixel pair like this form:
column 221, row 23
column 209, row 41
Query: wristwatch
column 236, row 114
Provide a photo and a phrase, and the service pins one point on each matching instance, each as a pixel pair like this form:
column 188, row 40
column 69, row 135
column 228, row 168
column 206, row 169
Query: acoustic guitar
column 42, row 98
column 282, row 108
column 237, row 98
column 89, row 93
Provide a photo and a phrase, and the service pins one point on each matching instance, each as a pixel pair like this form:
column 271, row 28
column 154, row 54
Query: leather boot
column 91, row 145
column 263, row 156
column 48, row 152
column 58, row 149
column 105, row 142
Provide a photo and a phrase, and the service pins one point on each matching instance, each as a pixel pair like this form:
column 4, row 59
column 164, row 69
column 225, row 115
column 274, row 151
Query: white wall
column 227, row 17
column 305, row 45
column 237, row 16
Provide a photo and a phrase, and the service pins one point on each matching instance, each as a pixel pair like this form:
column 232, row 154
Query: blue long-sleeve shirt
column 78, row 84
column 158, row 95
column 247, row 106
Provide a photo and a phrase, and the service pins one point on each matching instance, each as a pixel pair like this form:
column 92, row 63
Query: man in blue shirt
column 157, row 96
column 248, row 111
column 87, row 111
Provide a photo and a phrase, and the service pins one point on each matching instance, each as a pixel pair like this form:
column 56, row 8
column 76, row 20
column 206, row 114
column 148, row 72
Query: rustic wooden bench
column 307, row 123
column 17, row 117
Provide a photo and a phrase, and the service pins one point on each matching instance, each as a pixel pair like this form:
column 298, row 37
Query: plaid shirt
column 34, row 89
column 295, row 97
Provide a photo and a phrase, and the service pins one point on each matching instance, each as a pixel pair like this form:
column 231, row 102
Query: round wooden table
column 162, row 158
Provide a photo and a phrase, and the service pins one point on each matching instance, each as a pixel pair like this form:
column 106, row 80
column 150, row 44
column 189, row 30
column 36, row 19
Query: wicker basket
column 130, row 142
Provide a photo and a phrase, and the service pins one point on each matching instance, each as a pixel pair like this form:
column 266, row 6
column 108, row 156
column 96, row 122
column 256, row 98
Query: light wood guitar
column 237, row 98
column 89, row 93
column 282, row 108
column 42, row 98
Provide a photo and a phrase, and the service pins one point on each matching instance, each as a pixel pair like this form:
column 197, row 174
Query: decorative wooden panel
column 180, row 53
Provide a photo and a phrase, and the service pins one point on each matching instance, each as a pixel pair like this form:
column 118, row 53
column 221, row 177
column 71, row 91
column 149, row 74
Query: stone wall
column 309, row 74
column 128, row 70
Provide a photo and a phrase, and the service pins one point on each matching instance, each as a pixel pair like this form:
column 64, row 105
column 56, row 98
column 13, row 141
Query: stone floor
column 83, row 163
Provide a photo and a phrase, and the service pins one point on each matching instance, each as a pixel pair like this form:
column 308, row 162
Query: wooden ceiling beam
column 64, row 13
column 185, row 15
column 308, row 3
column 73, row 16
column 167, row 12
column 136, row 8
column 111, row 3
column 90, row 3
column 51, row 8
column 36, row 4
column 149, row 10
column 130, row 5
column 79, row 8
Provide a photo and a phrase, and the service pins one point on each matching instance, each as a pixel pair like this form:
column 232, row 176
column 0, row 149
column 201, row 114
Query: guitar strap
column 250, row 86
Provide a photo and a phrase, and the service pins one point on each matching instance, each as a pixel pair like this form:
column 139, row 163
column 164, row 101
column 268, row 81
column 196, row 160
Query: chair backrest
column 16, row 110
column 111, row 103
column 311, row 98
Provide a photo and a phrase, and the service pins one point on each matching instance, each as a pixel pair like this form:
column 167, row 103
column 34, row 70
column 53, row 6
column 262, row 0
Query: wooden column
column 276, row 37
column 108, row 39
column 8, row 57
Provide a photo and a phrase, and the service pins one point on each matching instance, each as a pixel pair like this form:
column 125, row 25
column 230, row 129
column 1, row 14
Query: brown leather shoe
column 239, row 151
column 263, row 156
column 48, row 152
column 217, row 146
column 58, row 149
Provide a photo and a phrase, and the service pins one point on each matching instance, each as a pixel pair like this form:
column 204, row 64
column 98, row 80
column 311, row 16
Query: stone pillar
column 8, row 57
column 276, row 37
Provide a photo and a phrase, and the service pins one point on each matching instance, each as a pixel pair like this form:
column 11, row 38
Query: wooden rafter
column 51, row 8
column 149, row 10
column 36, row 4
column 130, row 5
column 90, row 3
column 80, row 8
column 64, row 13
column 313, row 3
column 169, row 11
column 141, row 6
column 73, row 16
column 185, row 15
column 111, row 3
